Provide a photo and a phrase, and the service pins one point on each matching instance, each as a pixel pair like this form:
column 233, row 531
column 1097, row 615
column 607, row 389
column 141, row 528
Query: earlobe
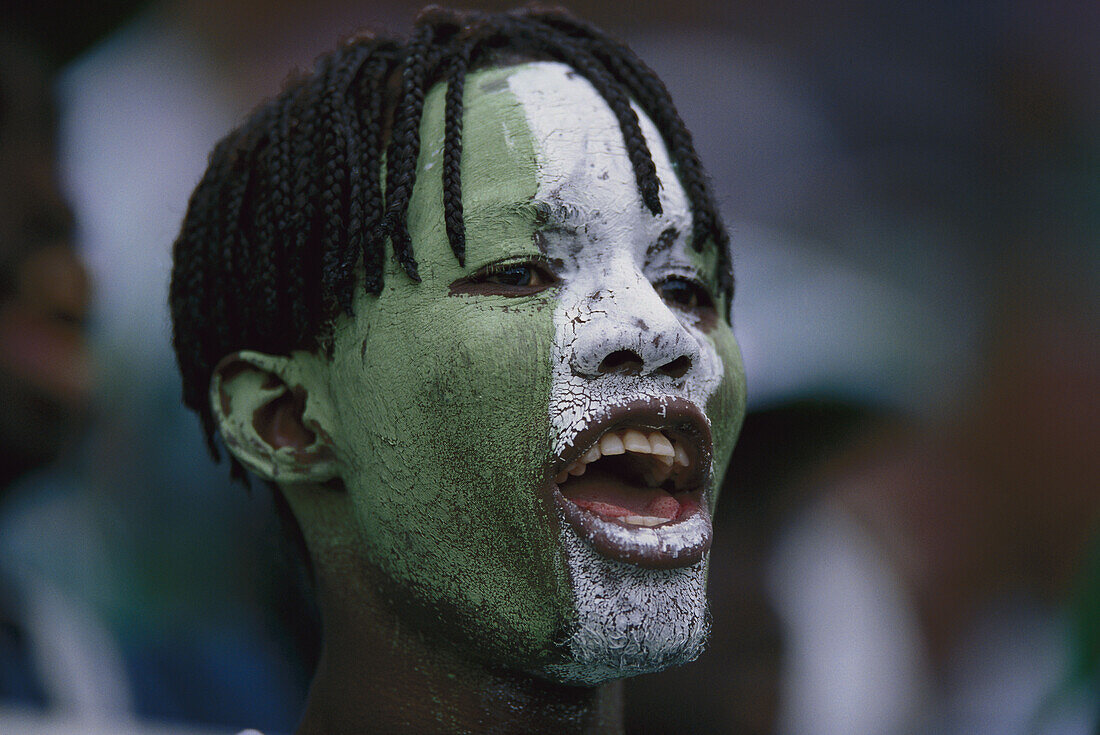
column 262, row 415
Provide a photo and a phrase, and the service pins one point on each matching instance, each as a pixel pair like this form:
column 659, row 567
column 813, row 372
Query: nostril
column 677, row 368
column 628, row 362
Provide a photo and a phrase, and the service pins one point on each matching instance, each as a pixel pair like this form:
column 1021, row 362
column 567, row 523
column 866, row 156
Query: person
column 44, row 291
column 56, row 659
column 499, row 442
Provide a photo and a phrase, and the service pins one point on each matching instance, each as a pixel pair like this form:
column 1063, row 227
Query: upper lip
column 679, row 419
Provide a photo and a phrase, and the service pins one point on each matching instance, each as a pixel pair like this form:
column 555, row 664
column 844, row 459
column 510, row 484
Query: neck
column 377, row 675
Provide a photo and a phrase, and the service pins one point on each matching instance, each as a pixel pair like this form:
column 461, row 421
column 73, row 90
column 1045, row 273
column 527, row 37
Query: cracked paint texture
column 610, row 252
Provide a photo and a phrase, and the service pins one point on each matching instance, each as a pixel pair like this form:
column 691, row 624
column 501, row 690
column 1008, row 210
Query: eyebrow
column 663, row 242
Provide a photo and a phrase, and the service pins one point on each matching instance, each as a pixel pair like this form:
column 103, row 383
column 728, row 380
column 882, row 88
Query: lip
column 678, row 543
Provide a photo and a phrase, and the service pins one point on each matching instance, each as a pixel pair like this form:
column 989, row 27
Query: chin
column 631, row 619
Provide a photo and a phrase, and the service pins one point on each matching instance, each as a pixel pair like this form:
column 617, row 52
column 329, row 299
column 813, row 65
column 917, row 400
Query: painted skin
column 453, row 402
column 447, row 401
column 615, row 261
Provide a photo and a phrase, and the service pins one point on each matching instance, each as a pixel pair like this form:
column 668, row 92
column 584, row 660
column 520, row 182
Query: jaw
column 631, row 620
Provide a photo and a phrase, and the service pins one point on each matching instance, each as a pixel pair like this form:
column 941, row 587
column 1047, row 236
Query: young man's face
column 580, row 321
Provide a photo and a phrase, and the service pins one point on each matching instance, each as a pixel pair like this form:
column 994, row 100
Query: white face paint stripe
column 630, row 619
column 587, row 180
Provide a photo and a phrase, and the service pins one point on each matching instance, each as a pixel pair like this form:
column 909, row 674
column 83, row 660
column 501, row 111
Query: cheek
column 726, row 406
column 462, row 396
column 486, row 397
column 446, row 486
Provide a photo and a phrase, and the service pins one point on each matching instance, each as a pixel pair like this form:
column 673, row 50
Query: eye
column 507, row 279
column 520, row 274
column 685, row 295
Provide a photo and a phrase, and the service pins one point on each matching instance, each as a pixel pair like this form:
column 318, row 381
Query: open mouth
column 632, row 484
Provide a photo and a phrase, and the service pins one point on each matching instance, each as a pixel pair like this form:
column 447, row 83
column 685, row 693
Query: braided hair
column 292, row 202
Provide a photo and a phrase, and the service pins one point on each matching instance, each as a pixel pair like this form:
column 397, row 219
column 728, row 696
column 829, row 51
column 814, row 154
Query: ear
column 263, row 413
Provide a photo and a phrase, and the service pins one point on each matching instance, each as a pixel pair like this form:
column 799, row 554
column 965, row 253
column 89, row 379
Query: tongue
column 609, row 496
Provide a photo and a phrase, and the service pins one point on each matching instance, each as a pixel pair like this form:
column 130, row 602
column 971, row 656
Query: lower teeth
column 644, row 520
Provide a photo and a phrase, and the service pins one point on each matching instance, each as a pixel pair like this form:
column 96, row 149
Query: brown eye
column 685, row 295
column 507, row 279
column 523, row 274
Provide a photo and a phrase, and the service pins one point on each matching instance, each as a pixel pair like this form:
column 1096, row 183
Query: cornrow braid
column 292, row 209
column 280, row 191
column 343, row 181
column 263, row 296
column 452, row 152
column 405, row 145
column 333, row 162
column 188, row 289
column 302, row 206
column 372, row 83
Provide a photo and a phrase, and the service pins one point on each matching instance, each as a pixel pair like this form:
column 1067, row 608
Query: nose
column 632, row 333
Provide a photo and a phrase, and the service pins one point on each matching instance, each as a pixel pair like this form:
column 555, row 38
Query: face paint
column 442, row 405
column 611, row 251
column 452, row 402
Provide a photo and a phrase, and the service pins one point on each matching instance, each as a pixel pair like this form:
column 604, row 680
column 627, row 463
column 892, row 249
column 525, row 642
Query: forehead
column 585, row 176
column 541, row 150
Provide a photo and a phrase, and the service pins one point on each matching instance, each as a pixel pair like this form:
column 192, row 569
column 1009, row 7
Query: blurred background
column 909, row 535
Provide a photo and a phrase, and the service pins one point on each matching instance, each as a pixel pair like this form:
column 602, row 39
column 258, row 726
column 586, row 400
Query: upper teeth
column 631, row 440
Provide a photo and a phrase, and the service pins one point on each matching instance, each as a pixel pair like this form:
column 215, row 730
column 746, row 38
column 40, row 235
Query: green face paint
column 726, row 406
column 442, row 401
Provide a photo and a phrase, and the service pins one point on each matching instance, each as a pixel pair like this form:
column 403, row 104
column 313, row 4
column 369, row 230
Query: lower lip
column 679, row 543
